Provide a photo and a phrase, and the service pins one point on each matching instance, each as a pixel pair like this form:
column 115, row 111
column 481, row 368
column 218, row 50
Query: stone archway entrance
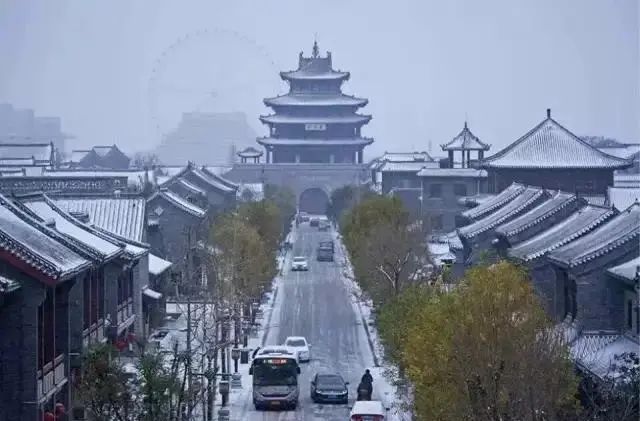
column 313, row 201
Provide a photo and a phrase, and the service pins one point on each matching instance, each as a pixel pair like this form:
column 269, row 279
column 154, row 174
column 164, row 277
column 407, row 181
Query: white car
column 300, row 345
column 300, row 263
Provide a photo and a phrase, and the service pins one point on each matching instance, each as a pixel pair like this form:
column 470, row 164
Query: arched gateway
column 314, row 144
column 313, row 201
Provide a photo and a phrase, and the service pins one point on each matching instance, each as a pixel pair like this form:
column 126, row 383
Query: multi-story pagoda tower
column 315, row 122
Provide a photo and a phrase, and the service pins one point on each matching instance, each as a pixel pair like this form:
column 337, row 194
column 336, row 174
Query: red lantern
column 121, row 345
column 131, row 337
column 48, row 416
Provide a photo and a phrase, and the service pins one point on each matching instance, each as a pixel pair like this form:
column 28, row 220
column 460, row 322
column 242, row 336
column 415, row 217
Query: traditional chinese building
column 315, row 122
column 550, row 156
column 464, row 143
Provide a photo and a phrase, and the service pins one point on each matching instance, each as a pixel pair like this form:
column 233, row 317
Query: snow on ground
column 364, row 308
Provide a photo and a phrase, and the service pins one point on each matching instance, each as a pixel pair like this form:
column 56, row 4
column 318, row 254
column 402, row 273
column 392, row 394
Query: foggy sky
column 425, row 65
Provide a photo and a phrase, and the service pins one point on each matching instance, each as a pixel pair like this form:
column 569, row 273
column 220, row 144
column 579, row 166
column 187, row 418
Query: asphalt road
column 317, row 305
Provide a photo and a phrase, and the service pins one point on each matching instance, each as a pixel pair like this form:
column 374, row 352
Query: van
column 368, row 411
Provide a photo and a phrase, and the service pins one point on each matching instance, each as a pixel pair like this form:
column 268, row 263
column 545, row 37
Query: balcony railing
column 95, row 333
column 125, row 311
column 51, row 376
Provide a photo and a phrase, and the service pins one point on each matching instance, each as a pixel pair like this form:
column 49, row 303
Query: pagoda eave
column 300, row 76
column 356, row 119
column 270, row 141
column 315, row 101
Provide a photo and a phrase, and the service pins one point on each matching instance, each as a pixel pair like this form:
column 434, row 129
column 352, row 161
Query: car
column 324, row 226
column 368, row 410
column 299, row 263
column 300, row 346
column 314, row 222
column 329, row 388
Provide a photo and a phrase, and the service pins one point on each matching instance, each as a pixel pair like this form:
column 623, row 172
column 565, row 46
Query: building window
column 570, row 299
column 435, row 190
column 631, row 313
column 460, row 189
column 436, row 222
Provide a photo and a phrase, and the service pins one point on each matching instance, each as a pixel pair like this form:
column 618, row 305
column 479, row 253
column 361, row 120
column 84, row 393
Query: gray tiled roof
column 413, row 167
column 123, row 216
column 465, row 140
column 619, row 230
column 97, row 244
column 41, row 152
column 495, row 202
column 550, row 145
column 312, row 99
column 627, row 270
column 190, row 186
column 212, row 181
column 27, row 240
column 334, row 119
column 404, row 157
column 575, row 226
column 544, row 210
column 621, row 197
column 178, row 201
column 452, row 172
column 529, row 197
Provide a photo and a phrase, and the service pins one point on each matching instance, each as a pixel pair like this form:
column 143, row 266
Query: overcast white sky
column 108, row 68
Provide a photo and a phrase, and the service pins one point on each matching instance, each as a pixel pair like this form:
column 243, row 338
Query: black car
column 329, row 388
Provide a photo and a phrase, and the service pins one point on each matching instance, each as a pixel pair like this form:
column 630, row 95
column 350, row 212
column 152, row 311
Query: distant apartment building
column 23, row 126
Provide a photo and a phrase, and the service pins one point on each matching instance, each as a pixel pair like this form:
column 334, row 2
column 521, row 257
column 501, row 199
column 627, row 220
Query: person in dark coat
column 367, row 378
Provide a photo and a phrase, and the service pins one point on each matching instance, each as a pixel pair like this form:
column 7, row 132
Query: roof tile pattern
column 465, row 140
column 27, row 240
column 494, row 202
column 618, row 231
column 550, row 145
column 578, row 224
column 529, row 197
column 121, row 216
column 544, row 210
column 179, row 202
column 316, row 100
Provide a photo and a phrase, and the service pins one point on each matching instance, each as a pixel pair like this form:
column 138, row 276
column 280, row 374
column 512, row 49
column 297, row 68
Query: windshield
column 299, row 259
column 296, row 342
column 275, row 375
column 330, row 381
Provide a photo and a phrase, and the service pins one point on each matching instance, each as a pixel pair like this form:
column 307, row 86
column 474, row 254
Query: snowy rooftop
column 135, row 178
column 404, row 157
column 316, row 99
column 494, row 202
column 179, row 202
column 622, row 197
column 413, row 167
column 356, row 141
column 295, row 119
column 20, row 237
column 255, row 189
column 17, row 162
column 530, row 196
column 218, row 176
column 550, row 145
column 575, row 226
column 628, row 270
column 190, row 186
column 626, row 180
column 123, row 216
column 624, row 151
column 314, row 67
column 250, row 152
column 465, row 140
column 452, row 239
column 212, row 180
column 544, row 210
column 452, row 172
column 475, row 200
column 41, row 152
column 77, row 155
column 616, row 232
column 440, row 253
column 596, row 351
column 97, row 243
column 158, row 265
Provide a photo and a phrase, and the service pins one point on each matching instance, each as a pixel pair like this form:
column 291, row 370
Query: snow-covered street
column 320, row 305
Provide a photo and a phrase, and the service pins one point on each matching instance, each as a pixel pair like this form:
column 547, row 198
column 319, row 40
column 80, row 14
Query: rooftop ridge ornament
column 315, row 52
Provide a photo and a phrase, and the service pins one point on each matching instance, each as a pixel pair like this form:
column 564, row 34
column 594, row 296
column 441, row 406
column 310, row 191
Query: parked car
column 314, row 222
column 329, row 388
column 299, row 345
column 299, row 263
column 324, row 226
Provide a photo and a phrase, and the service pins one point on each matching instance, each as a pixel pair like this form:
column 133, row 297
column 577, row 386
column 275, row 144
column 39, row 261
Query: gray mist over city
column 334, row 210
column 109, row 71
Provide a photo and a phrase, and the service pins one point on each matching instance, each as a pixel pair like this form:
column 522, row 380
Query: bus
column 275, row 380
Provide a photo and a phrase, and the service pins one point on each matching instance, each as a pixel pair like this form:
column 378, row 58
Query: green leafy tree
column 487, row 351
column 345, row 198
column 285, row 200
column 386, row 253
column 104, row 387
column 266, row 218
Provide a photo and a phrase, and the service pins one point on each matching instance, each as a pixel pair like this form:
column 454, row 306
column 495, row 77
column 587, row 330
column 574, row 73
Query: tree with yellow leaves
column 486, row 351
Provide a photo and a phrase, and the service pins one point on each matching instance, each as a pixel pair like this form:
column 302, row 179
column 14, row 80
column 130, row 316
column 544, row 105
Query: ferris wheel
column 209, row 70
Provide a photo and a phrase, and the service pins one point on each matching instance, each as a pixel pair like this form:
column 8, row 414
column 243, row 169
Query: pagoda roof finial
column 315, row 52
